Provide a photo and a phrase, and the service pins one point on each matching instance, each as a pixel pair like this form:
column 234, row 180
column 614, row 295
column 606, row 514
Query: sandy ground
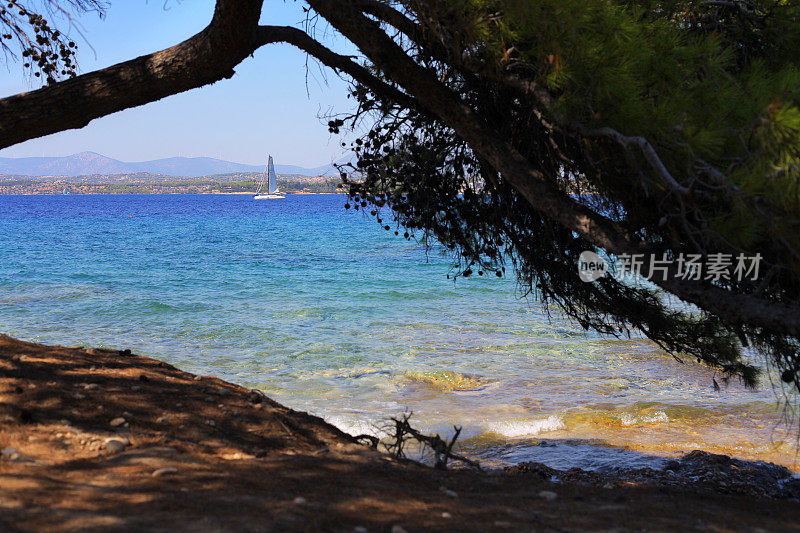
column 106, row 440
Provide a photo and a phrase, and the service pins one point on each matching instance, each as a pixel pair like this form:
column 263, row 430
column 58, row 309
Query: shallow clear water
column 327, row 313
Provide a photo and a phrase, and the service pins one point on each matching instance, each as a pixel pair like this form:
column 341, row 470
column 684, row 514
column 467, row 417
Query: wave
column 526, row 428
column 652, row 418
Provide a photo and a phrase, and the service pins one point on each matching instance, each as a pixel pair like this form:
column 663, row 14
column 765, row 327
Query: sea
column 326, row 312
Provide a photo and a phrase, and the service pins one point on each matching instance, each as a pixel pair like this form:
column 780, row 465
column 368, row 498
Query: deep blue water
column 326, row 312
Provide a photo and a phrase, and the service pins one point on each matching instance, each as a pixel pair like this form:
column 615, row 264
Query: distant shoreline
column 112, row 184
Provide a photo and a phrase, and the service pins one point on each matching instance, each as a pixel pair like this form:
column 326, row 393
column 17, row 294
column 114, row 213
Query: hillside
column 93, row 164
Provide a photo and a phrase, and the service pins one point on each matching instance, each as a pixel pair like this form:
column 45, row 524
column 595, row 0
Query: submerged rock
column 697, row 470
column 736, row 475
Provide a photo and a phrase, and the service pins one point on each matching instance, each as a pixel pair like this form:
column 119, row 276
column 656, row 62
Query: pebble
column 14, row 456
column 238, row 456
column 360, row 529
column 448, row 492
column 608, row 486
column 117, row 421
column 398, row 529
column 548, row 495
column 167, row 470
column 446, row 515
column 115, row 446
column 300, row 500
column 197, row 378
column 91, row 386
column 162, row 420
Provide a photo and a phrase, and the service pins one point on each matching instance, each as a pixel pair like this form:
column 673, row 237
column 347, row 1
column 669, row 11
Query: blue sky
column 269, row 106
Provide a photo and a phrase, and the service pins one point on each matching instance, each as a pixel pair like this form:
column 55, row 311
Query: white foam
column 631, row 420
column 354, row 426
column 526, row 428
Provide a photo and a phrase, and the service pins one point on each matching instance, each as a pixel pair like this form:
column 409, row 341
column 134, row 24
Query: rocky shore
column 697, row 471
column 97, row 439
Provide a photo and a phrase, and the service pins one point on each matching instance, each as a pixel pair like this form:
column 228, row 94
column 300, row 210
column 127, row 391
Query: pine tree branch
column 542, row 195
column 338, row 62
column 386, row 13
column 643, row 144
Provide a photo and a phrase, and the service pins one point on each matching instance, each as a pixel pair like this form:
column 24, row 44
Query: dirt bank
column 106, row 440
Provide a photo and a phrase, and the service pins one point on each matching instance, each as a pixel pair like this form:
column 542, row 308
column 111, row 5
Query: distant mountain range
column 90, row 163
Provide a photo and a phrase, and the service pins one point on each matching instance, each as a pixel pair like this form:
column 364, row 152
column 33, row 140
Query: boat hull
column 268, row 197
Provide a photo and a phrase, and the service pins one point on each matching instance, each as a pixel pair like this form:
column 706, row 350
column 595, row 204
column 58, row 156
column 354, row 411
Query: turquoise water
column 328, row 313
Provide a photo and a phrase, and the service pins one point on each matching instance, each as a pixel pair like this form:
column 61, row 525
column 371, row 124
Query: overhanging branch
column 542, row 195
column 338, row 62
column 644, row 145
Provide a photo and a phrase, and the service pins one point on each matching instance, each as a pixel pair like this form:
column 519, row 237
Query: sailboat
column 270, row 180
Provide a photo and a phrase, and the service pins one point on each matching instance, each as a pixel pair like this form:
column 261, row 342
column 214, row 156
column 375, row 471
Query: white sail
column 269, row 181
column 273, row 180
